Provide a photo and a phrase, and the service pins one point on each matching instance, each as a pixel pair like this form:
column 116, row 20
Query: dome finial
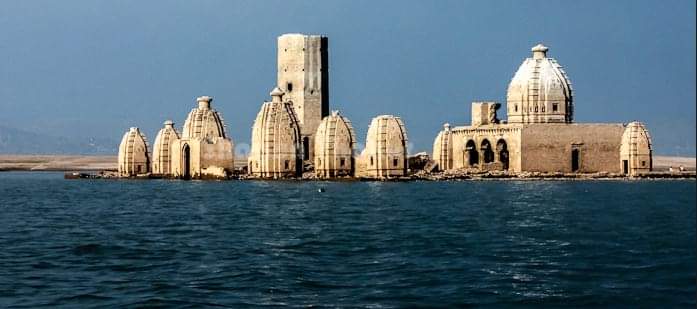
column 539, row 51
column 276, row 95
column 204, row 102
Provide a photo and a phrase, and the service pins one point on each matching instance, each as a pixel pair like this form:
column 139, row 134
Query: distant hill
column 17, row 141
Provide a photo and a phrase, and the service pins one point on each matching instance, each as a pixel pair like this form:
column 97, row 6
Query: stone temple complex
column 540, row 135
column 294, row 133
column 203, row 149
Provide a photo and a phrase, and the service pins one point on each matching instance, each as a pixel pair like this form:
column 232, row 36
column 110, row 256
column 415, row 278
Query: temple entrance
column 625, row 166
column 471, row 153
column 487, row 152
column 502, row 149
column 575, row 160
column 186, row 157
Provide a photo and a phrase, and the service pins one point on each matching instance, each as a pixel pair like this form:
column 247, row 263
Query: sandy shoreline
column 100, row 163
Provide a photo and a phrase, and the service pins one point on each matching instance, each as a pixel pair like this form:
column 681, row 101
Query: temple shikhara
column 295, row 133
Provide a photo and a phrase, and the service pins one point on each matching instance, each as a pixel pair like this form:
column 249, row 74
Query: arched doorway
column 487, row 152
column 502, row 149
column 186, row 158
column 471, row 153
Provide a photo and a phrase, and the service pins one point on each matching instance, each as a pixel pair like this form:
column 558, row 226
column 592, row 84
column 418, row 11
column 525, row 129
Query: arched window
column 471, row 153
column 487, row 151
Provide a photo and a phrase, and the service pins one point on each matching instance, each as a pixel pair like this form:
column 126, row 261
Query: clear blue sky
column 95, row 68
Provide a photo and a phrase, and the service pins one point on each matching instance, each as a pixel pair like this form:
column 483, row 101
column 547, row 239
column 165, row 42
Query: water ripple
column 359, row 244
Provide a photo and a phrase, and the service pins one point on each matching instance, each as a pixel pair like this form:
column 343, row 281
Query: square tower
column 303, row 75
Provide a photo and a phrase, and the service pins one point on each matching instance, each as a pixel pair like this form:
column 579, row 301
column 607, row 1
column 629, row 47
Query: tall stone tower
column 303, row 75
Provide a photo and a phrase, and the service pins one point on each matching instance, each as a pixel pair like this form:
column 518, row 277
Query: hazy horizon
column 89, row 70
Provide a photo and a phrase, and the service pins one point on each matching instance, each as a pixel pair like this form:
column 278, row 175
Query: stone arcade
column 540, row 135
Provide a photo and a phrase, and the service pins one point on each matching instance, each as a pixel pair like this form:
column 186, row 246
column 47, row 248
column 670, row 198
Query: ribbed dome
column 203, row 121
column 443, row 148
column 540, row 91
column 161, row 148
column 276, row 141
column 385, row 153
column 134, row 157
column 335, row 141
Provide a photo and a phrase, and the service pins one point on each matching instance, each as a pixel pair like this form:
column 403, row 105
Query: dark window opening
column 342, row 162
column 515, row 107
column 289, row 87
column 555, row 107
column 643, row 163
column 625, row 166
column 395, row 161
column 575, row 160
column 287, row 164
column 371, row 161
column 187, row 162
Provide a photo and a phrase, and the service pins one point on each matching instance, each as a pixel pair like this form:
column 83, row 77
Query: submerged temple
column 161, row 163
column 276, row 140
column 335, row 141
column 204, row 149
column 134, row 156
column 385, row 153
column 539, row 134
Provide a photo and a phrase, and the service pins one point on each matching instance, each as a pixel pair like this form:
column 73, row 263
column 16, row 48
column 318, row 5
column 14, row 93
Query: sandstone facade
column 385, row 153
column 539, row 135
column 161, row 161
column 303, row 76
column 335, row 141
column 277, row 149
column 204, row 149
column 134, row 156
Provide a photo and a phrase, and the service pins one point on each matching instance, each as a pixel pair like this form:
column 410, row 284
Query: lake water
column 97, row 243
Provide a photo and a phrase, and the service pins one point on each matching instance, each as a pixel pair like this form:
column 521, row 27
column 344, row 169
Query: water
column 97, row 243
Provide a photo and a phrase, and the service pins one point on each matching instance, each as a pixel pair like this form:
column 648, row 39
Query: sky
column 92, row 69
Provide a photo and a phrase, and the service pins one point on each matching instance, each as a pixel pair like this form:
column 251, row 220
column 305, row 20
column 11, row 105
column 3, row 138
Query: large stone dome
column 204, row 122
column 335, row 141
column 540, row 91
column 134, row 157
column 161, row 148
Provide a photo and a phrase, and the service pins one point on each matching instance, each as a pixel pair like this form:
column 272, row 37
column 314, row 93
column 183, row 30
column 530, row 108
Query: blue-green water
column 82, row 243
